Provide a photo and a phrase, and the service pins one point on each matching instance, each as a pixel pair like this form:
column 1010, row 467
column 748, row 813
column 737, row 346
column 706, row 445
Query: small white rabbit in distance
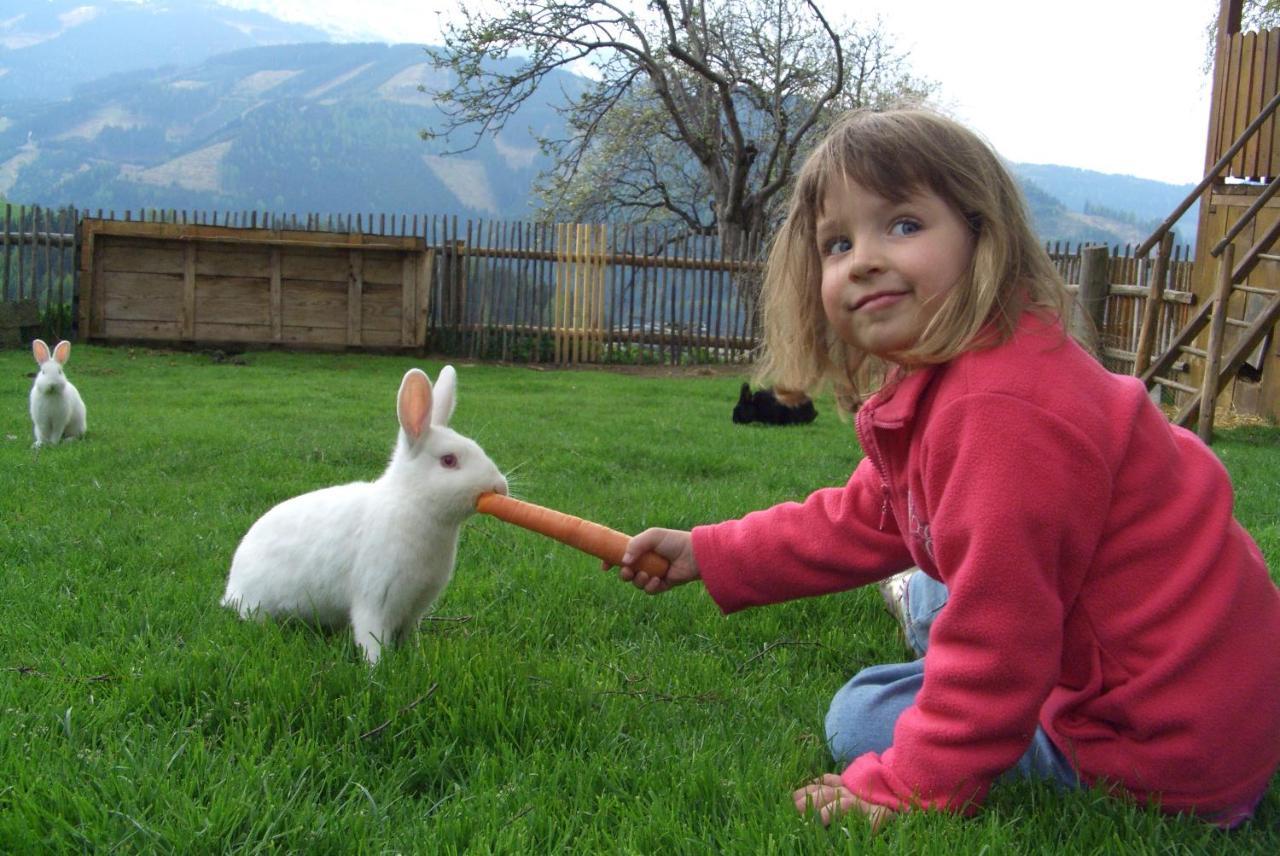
column 374, row 555
column 57, row 411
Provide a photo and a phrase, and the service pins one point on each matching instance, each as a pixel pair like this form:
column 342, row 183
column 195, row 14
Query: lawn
column 544, row 707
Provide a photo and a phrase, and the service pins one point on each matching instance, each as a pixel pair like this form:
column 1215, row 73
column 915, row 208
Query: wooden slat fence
column 37, row 263
column 1127, row 300
column 502, row 290
column 567, row 294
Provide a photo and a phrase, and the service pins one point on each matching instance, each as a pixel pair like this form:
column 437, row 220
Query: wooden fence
column 1127, row 299
column 38, row 264
column 512, row 291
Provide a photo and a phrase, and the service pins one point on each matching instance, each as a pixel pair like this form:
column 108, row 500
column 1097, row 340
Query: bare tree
column 695, row 111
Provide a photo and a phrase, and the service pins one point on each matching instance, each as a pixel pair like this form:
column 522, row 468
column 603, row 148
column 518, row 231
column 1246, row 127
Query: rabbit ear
column 413, row 404
column 745, row 395
column 39, row 350
column 62, row 351
column 446, row 396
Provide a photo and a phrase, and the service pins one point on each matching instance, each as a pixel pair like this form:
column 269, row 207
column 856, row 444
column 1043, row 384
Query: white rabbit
column 376, row 554
column 57, row 411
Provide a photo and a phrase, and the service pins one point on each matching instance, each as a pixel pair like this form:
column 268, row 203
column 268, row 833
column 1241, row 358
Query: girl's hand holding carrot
column 608, row 545
column 674, row 545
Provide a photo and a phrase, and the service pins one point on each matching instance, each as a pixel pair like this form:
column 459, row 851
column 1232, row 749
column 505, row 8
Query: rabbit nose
column 501, row 486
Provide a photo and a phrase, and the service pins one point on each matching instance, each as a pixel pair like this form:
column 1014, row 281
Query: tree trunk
column 740, row 242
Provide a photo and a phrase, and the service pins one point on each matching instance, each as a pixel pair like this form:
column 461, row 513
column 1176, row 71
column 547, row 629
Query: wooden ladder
column 1221, row 359
column 1220, row 367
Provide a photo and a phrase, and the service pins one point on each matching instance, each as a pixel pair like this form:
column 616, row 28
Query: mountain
column 49, row 48
column 331, row 128
column 190, row 105
column 1081, row 205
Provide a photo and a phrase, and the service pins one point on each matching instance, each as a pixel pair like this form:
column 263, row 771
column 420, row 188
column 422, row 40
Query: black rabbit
column 764, row 407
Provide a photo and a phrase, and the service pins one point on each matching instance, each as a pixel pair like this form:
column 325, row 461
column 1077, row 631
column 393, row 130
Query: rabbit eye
column 450, row 460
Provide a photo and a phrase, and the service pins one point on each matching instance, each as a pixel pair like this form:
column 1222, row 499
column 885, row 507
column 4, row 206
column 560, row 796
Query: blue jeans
column 865, row 710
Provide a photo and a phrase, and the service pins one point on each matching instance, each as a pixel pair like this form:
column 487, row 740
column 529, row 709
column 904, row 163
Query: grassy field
column 544, row 707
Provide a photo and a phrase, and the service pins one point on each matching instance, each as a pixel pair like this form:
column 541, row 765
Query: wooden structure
column 1230, row 341
column 211, row 284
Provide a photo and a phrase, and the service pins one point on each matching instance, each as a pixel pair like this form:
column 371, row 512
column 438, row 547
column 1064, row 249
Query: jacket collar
column 894, row 405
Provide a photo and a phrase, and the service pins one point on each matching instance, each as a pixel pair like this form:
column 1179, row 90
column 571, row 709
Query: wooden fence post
column 1151, row 312
column 1217, row 330
column 1091, row 300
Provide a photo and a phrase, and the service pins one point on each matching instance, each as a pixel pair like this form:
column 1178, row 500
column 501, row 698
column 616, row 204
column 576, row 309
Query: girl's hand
column 830, row 799
column 674, row 545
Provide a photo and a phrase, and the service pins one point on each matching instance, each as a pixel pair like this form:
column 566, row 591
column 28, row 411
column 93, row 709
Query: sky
column 1114, row 86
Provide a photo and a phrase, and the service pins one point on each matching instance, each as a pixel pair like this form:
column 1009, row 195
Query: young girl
column 1090, row 610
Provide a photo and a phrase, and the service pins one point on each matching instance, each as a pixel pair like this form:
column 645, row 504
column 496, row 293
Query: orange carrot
column 599, row 541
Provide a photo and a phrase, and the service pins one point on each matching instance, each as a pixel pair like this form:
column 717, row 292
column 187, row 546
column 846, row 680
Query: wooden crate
column 200, row 284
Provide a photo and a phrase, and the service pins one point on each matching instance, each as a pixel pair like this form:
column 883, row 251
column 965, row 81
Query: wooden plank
column 293, row 334
column 142, row 297
column 233, row 300
column 4, row 275
column 355, row 296
column 218, row 332
column 426, row 275
column 276, row 301
column 556, row 322
column 124, row 256
column 315, row 265
column 1269, row 133
column 189, row 292
column 1244, row 76
column 408, row 297
column 113, row 328
column 307, row 303
column 235, row 235
column 383, row 267
column 381, row 309
column 84, row 288
column 63, row 298
column 228, row 260
column 1230, row 95
column 1256, row 50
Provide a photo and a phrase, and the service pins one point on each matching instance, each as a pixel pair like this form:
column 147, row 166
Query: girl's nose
column 865, row 259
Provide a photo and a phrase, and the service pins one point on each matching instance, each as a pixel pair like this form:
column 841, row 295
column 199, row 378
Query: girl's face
column 886, row 266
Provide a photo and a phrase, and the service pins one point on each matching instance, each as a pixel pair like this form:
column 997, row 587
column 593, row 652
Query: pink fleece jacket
column 1099, row 583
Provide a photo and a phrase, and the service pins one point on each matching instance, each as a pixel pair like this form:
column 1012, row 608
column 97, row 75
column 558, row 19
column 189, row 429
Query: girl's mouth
column 878, row 300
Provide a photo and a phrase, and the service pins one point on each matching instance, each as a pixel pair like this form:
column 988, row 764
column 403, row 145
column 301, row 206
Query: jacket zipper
column 866, row 434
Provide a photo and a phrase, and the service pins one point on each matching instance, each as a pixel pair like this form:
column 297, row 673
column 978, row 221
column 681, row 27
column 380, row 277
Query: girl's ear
column 40, row 350
column 413, row 404
column 446, row 396
column 62, row 351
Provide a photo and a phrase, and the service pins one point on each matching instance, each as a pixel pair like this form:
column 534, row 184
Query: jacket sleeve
column 837, row 539
column 1016, row 498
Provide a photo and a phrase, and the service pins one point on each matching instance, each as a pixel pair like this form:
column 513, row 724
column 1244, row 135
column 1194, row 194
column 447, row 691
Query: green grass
column 544, row 707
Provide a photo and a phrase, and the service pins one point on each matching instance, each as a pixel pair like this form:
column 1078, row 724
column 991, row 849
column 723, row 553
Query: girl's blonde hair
column 894, row 154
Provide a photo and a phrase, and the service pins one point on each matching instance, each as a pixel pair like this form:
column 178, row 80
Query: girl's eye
column 836, row 245
column 450, row 461
column 905, row 227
